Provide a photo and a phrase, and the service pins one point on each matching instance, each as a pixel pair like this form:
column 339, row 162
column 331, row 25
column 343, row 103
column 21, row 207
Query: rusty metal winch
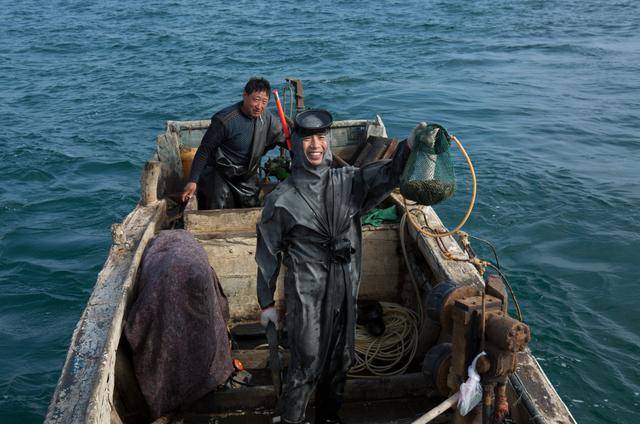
column 472, row 320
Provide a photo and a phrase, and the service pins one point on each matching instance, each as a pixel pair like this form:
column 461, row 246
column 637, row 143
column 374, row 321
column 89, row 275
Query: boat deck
column 395, row 399
column 388, row 411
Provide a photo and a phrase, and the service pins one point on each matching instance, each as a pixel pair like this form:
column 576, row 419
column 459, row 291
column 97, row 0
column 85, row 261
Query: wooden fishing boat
column 98, row 385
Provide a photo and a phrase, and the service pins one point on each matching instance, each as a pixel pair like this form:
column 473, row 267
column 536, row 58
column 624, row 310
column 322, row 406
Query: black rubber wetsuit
column 226, row 163
column 312, row 222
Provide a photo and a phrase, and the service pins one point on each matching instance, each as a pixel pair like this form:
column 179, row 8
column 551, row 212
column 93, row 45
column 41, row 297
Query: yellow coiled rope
column 392, row 352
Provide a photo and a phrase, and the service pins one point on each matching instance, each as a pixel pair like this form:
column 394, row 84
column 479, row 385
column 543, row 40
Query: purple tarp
column 177, row 326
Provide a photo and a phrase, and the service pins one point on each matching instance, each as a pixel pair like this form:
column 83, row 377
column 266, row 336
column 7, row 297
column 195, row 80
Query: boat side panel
column 346, row 135
column 222, row 220
column 442, row 268
column 538, row 396
column 232, row 256
column 168, row 151
column 85, row 388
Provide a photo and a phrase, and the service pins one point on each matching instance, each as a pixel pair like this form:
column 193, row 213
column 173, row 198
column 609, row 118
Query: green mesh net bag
column 428, row 177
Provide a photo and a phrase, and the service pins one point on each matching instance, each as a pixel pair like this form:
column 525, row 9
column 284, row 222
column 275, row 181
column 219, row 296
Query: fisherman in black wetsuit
column 224, row 170
column 311, row 222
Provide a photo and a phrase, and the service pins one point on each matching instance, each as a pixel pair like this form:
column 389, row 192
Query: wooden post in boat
column 299, row 92
column 149, row 183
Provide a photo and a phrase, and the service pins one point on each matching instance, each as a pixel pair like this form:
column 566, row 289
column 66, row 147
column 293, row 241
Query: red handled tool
column 285, row 127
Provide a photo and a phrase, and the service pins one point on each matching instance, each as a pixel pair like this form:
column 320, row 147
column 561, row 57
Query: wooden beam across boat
column 263, row 396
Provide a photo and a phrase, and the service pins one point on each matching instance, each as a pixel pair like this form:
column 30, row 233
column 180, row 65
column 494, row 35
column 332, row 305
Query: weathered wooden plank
column 233, row 259
column 392, row 411
column 351, row 123
column 149, row 182
column 177, row 126
column 168, row 151
column 370, row 389
column 85, row 388
column 540, row 394
column 382, row 265
column 443, row 269
column 222, row 221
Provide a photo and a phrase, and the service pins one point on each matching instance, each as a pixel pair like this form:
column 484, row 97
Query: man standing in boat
column 311, row 221
column 225, row 167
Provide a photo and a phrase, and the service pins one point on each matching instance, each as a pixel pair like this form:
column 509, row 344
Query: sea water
column 545, row 95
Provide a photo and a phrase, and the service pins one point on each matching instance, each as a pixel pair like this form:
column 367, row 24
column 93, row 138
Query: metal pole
column 438, row 410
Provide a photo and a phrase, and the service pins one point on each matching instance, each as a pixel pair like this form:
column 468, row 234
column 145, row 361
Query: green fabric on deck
column 376, row 216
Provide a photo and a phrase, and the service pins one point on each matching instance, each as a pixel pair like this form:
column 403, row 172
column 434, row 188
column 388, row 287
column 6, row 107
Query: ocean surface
column 545, row 95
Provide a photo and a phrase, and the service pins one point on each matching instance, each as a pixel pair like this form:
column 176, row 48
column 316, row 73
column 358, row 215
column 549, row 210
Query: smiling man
column 311, row 221
column 225, row 167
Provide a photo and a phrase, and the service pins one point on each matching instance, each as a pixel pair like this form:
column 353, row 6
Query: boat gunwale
column 84, row 391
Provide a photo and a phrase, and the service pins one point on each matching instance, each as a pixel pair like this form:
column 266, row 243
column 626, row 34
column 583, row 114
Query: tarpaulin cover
column 177, row 326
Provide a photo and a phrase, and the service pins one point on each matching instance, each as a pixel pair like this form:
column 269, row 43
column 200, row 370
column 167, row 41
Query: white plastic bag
column 470, row 390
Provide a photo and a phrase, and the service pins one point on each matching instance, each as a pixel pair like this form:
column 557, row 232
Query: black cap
column 312, row 121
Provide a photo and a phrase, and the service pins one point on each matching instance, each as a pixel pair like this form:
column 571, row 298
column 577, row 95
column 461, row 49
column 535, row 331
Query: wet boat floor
column 254, row 404
column 400, row 411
